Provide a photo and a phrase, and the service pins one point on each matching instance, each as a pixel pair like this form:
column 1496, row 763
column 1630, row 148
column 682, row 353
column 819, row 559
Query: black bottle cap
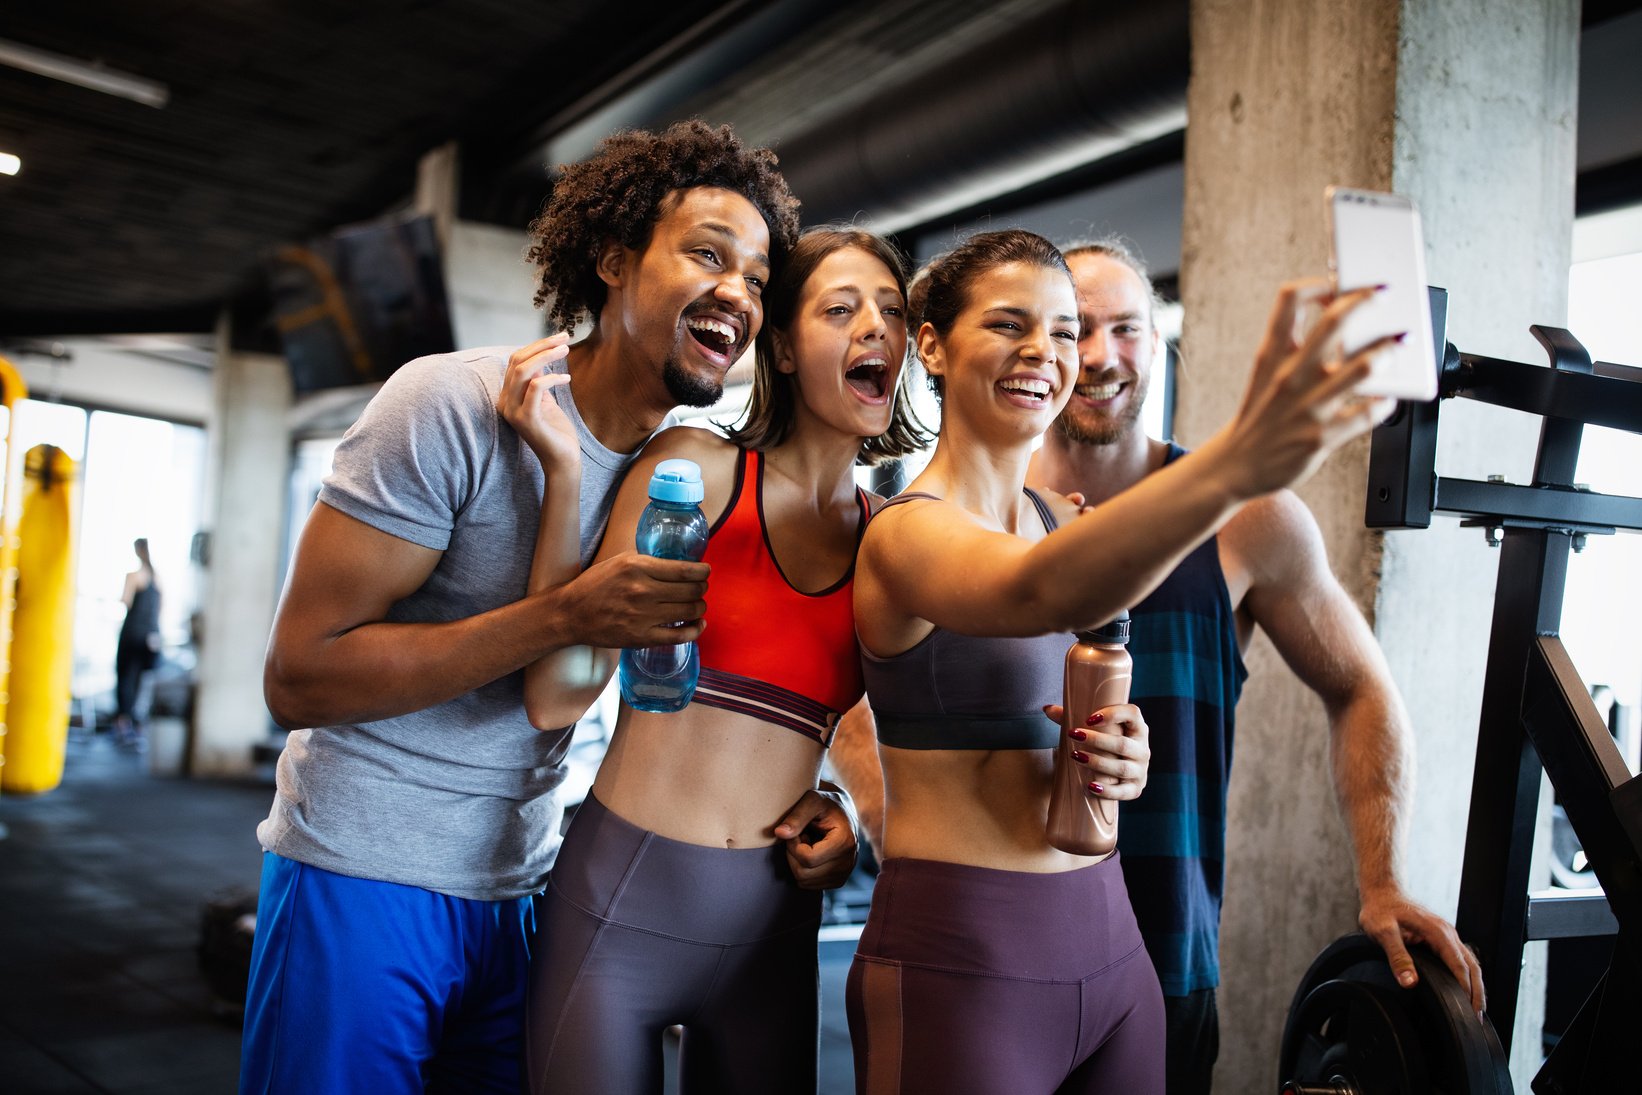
column 1113, row 632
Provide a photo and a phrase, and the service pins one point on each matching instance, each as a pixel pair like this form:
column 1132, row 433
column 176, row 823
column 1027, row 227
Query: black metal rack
column 1536, row 711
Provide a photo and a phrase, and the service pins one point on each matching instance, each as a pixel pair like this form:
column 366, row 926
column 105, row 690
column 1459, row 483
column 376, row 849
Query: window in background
column 39, row 422
column 1603, row 602
column 142, row 477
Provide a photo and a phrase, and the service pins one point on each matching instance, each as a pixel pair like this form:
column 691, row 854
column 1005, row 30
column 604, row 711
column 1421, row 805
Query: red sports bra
column 769, row 650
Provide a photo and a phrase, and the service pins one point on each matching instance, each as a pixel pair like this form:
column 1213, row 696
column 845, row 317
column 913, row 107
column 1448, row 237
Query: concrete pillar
column 487, row 280
column 1468, row 107
column 438, row 185
column 250, row 455
column 490, row 286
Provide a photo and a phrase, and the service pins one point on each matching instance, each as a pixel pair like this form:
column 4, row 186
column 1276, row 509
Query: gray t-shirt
column 458, row 798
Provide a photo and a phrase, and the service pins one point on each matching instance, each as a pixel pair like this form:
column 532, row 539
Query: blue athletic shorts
column 360, row 986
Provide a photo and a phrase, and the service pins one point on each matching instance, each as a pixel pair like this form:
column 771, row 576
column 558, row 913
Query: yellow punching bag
column 42, row 626
column 12, row 392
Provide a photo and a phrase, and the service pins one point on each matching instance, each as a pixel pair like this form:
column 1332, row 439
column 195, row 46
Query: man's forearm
column 1373, row 771
column 379, row 670
column 854, row 760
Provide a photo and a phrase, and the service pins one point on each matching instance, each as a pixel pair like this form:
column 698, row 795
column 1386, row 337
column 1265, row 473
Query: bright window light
column 9, row 164
column 1603, row 598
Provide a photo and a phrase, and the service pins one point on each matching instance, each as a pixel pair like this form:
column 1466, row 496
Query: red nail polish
column 1097, row 788
column 1402, row 337
column 1096, row 719
column 1382, row 287
column 1078, row 735
column 1080, row 757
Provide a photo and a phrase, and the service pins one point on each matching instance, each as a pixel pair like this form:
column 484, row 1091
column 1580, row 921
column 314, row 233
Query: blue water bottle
column 663, row 678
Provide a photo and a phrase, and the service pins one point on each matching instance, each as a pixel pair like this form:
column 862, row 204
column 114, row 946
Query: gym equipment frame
column 1536, row 713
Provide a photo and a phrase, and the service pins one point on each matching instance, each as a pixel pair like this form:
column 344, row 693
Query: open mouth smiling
column 869, row 377
column 717, row 337
column 1099, row 393
column 1026, row 389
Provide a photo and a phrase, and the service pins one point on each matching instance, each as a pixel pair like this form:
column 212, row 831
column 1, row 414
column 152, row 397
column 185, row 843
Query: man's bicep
column 346, row 573
column 1296, row 599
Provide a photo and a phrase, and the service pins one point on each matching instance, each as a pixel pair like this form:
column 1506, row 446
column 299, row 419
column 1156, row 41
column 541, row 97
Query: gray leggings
column 638, row 933
column 975, row 980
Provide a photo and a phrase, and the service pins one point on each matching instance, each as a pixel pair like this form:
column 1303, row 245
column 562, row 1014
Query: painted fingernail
column 1097, row 788
column 1382, row 287
column 1078, row 735
column 1080, row 756
column 1401, row 337
column 1096, row 719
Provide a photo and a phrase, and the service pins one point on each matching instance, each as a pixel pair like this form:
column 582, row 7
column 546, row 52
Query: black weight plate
column 1475, row 1061
column 1355, row 1033
column 1460, row 1055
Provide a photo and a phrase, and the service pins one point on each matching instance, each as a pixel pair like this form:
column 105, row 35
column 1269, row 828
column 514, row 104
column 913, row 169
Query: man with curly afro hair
column 416, row 811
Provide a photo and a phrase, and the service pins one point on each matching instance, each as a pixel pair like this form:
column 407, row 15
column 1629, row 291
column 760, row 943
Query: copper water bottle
column 1097, row 675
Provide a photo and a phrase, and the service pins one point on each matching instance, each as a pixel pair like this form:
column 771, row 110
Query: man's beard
column 1106, row 429
column 688, row 389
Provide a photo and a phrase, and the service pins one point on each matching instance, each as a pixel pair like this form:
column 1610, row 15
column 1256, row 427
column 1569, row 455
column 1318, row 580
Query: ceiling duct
column 1080, row 82
column 1060, row 86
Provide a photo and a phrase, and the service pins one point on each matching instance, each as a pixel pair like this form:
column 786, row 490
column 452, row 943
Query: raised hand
column 1301, row 402
column 526, row 402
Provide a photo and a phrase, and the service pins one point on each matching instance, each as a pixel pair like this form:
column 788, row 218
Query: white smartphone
column 1375, row 240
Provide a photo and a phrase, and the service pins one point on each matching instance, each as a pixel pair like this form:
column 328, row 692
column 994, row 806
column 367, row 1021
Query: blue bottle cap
column 677, row 481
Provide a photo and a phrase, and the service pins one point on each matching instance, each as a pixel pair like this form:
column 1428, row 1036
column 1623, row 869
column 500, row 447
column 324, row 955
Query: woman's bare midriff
column 706, row 776
column 977, row 807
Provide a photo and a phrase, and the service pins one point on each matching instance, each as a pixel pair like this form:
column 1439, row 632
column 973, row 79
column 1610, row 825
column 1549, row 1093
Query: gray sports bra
column 954, row 691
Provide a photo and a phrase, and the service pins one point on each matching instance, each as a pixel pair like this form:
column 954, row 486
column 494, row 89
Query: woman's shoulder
column 912, row 513
column 689, row 443
column 718, row 458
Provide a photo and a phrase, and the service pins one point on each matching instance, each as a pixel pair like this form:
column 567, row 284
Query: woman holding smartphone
column 680, row 896
column 992, row 961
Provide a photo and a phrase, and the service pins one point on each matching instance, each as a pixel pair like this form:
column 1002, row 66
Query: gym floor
column 102, row 886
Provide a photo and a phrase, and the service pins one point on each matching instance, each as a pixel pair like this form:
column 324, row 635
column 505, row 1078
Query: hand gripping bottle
column 663, row 678
column 1097, row 675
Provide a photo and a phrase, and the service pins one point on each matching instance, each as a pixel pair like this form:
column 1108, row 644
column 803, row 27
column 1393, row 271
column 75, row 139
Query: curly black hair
column 618, row 194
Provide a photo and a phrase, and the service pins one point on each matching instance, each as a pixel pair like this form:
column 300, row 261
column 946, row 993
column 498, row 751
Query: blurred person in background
column 139, row 646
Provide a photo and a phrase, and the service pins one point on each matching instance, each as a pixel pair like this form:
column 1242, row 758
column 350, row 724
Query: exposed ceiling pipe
column 715, row 51
column 1072, row 85
column 1076, row 84
column 507, row 185
column 87, row 74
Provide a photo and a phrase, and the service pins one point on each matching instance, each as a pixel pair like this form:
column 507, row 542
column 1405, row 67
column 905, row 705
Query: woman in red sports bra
column 684, row 894
column 991, row 961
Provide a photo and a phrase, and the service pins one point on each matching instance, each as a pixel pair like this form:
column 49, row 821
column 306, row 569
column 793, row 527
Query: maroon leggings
column 638, row 933
column 975, row 980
